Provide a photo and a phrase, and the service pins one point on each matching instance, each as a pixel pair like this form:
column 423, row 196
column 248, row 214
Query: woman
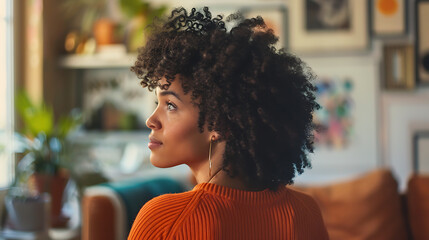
column 238, row 113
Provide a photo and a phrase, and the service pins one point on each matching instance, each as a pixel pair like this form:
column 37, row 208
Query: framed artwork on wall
column 327, row 26
column 421, row 152
column 274, row 14
column 347, row 142
column 399, row 66
column 422, row 41
column 389, row 17
column 275, row 17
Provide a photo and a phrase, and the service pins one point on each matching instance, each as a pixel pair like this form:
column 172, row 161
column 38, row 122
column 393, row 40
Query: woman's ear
column 214, row 136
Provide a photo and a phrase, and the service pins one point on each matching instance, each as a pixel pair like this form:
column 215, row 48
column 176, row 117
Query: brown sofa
column 368, row 207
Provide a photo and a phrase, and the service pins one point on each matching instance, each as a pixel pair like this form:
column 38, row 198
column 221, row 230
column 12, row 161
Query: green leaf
column 158, row 12
column 131, row 8
column 23, row 103
column 36, row 118
column 88, row 19
column 68, row 123
column 137, row 38
column 64, row 126
column 42, row 121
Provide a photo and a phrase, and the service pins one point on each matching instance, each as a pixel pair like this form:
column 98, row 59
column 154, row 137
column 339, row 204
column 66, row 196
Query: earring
column 210, row 155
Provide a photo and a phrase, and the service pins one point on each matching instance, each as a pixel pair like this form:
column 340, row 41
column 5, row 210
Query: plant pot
column 104, row 32
column 54, row 185
column 30, row 213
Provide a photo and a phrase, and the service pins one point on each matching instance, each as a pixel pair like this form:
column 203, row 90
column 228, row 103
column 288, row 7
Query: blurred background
column 72, row 115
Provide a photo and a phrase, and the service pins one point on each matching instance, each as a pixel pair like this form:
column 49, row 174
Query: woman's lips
column 154, row 143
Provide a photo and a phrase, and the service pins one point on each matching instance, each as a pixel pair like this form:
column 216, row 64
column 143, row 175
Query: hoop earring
column 210, row 160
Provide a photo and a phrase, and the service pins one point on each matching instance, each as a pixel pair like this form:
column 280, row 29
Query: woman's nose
column 152, row 122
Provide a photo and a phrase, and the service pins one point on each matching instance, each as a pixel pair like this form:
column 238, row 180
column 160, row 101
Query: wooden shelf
column 97, row 61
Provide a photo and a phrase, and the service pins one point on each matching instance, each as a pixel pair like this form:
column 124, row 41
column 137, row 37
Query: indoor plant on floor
column 46, row 170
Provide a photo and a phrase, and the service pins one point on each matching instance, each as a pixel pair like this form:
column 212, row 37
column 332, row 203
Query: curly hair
column 259, row 99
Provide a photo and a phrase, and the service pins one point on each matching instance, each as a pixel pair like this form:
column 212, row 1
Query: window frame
column 9, row 127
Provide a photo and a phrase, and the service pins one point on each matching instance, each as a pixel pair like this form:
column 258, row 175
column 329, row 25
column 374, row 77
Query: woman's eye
column 170, row 106
column 156, row 103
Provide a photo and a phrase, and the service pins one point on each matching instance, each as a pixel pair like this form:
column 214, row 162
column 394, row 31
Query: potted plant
column 139, row 14
column 28, row 211
column 89, row 24
column 84, row 13
column 42, row 138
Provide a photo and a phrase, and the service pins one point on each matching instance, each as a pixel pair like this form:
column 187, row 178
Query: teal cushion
column 136, row 193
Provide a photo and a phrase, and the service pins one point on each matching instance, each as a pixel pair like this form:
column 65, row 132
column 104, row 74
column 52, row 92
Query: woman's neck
column 222, row 178
column 216, row 175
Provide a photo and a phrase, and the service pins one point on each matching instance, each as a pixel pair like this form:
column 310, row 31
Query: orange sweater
column 211, row 211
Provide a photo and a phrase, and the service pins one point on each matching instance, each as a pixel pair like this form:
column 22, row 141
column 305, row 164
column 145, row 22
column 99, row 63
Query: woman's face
column 175, row 138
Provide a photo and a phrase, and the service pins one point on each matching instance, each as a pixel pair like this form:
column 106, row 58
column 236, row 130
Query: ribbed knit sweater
column 210, row 211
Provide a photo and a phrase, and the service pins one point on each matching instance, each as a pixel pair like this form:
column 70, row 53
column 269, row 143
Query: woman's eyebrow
column 164, row 93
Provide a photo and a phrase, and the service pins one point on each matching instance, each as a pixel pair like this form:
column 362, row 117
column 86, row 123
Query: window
column 6, row 93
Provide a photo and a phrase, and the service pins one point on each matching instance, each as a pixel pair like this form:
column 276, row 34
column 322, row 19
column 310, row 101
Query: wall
column 59, row 88
column 403, row 114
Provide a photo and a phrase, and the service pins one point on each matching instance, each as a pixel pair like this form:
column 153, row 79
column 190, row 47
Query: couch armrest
column 103, row 215
column 418, row 206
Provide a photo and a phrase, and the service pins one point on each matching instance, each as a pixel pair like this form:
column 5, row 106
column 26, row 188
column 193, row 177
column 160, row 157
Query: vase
column 54, row 185
column 104, row 31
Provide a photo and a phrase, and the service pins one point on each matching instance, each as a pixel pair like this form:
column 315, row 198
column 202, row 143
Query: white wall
column 403, row 115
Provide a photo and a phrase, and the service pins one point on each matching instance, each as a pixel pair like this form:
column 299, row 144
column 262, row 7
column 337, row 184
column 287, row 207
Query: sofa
column 370, row 207
column 366, row 207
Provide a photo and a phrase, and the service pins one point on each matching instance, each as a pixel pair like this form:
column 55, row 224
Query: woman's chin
column 160, row 163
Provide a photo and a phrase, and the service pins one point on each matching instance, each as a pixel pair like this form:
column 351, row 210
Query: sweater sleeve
column 150, row 222
column 310, row 210
column 319, row 226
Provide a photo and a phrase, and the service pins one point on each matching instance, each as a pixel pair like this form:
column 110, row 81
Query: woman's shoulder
column 157, row 217
column 167, row 204
column 303, row 199
column 170, row 202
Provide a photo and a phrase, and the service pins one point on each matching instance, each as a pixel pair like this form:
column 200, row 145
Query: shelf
column 97, row 61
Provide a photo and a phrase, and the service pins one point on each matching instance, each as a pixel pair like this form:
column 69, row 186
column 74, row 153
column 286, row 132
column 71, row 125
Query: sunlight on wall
column 3, row 177
column 5, row 94
column 34, row 52
column 2, row 66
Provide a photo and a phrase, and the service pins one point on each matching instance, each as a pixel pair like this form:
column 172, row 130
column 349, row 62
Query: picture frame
column 314, row 31
column 422, row 42
column 275, row 16
column 389, row 18
column 399, row 67
column 361, row 151
column 402, row 115
column 421, row 152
